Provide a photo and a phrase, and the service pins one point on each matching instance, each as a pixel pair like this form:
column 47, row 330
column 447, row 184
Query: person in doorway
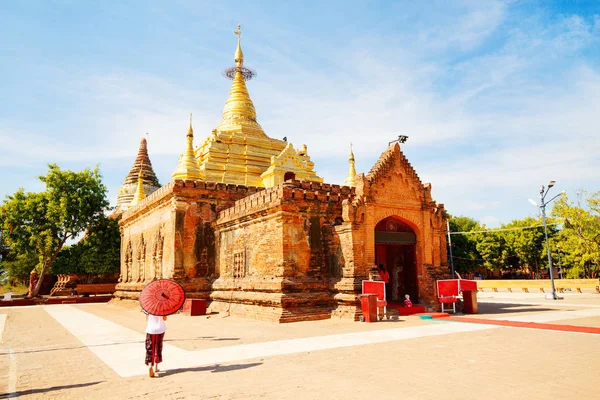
column 383, row 273
column 407, row 302
column 155, row 333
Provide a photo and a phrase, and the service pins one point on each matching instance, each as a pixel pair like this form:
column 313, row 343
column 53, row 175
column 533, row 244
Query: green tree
column 97, row 254
column 580, row 237
column 493, row 250
column 464, row 246
column 43, row 222
column 4, row 252
column 526, row 245
column 68, row 260
column 18, row 266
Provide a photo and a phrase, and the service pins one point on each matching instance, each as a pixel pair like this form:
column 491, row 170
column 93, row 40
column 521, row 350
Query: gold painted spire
column 239, row 112
column 139, row 193
column 187, row 168
column 239, row 56
column 351, row 171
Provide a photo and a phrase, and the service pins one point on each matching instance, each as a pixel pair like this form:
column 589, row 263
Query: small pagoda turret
column 187, row 167
column 350, row 180
column 141, row 167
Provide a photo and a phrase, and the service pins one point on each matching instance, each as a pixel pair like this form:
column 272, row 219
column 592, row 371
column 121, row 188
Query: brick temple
column 248, row 225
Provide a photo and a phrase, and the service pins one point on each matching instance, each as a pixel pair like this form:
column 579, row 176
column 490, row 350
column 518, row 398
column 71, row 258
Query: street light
column 560, row 274
column 401, row 139
column 542, row 207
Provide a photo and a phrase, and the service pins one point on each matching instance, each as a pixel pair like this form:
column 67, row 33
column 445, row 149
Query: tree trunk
column 46, row 264
column 38, row 286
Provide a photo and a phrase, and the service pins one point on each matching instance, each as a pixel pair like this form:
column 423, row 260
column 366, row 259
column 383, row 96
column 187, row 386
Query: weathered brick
column 291, row 252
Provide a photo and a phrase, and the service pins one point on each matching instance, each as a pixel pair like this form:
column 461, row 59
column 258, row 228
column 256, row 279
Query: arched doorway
column 289, row 176
column 395, row 248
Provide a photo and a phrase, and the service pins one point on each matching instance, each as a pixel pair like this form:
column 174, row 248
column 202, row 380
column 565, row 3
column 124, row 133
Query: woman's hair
column 381, row 266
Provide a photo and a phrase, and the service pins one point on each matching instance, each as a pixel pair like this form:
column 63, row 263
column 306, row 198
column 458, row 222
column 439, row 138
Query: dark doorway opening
column 289, row 176
column 395, row 249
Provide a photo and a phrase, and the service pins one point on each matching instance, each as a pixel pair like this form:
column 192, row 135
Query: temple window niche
column 142, row 260
column 129, row 262
column 289, row 176
column 239, row 264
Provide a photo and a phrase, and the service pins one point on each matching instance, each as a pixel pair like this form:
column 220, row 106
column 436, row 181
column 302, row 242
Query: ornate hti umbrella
column 162, row 297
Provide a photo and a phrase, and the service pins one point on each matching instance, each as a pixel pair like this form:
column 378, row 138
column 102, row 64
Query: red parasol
column 162, row 297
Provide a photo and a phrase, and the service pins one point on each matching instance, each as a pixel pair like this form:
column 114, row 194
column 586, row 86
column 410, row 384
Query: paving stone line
column 122, row 349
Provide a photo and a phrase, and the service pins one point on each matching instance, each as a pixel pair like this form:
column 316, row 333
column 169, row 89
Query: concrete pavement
column 96, row 351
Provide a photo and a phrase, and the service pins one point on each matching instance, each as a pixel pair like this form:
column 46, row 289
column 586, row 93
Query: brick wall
column 292, row 252
column 170, row 234
column 282, row 243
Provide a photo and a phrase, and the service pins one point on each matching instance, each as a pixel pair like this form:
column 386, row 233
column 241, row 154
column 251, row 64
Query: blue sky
column 497, row 97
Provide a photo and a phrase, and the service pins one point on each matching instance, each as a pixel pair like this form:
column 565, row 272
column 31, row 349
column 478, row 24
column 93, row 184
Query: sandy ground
column 41, row 358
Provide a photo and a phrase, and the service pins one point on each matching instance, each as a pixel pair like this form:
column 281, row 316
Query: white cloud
column 487, row 125
column 490, row 221
column 470, row 24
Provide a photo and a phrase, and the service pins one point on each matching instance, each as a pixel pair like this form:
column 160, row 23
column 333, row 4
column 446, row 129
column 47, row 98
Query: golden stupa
column 239, row 152
column 139, row 193
column 187, row 167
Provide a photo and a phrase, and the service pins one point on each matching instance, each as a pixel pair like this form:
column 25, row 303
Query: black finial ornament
column 401, row 139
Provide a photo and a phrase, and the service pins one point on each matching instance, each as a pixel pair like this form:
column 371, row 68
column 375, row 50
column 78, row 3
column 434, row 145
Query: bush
column 19, row 266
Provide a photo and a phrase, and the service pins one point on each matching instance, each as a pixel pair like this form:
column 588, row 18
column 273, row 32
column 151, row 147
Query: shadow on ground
column 212, row 338
column 212, row 368
column 141, row 342
column 506, row 308
column 46, row 390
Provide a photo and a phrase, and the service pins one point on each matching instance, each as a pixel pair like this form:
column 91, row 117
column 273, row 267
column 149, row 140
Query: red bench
column 449, row 289
column 378, row 288
column 95, row 288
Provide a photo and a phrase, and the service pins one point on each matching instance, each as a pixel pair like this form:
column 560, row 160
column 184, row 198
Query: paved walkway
column 96, row 351
column 119, row 347
column 2, row 323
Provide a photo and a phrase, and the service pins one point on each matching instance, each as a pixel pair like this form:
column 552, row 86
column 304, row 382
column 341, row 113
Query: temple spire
column 239, row 56
column 139, row 193
column 239, row 113
column 142, row 163
column 187, row 168
column 350, row 180
column 128, row 188
column 190, row 132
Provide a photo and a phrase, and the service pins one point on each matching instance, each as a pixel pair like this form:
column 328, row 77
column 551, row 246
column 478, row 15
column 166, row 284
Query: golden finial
column 187, row 168
column 239, row 56
column 190, row 129
column 351, row 170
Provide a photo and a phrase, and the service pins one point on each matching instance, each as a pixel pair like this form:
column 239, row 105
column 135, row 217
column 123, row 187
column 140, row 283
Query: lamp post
column 560, row 274
column 401, row 139
column 542, row 207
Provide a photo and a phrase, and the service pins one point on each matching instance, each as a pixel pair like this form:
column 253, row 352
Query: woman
column 155, row 332
column 383, row 274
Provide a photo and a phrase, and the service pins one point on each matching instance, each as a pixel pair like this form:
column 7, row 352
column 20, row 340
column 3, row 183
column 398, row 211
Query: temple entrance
column 395, row 248
column 289, row 176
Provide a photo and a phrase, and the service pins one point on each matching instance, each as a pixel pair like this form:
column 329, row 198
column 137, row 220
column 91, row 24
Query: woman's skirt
column 154, row 344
